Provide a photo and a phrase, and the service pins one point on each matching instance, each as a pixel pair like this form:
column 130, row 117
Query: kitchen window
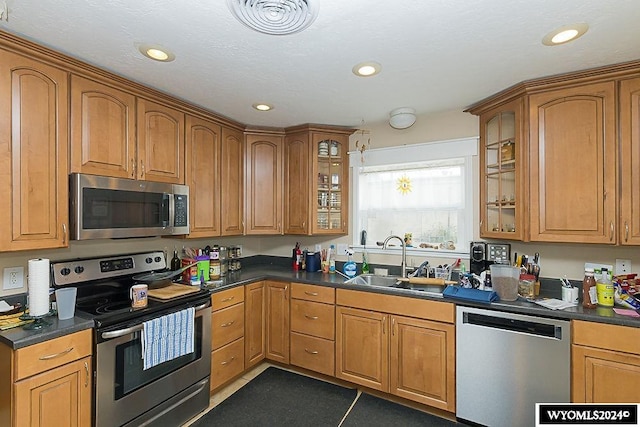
column 425, row 190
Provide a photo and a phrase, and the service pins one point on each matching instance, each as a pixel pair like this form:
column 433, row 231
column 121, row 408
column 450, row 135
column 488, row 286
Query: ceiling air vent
column 277, row 17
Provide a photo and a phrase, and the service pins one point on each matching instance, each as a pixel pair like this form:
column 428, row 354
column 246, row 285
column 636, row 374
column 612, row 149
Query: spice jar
column 588, row 289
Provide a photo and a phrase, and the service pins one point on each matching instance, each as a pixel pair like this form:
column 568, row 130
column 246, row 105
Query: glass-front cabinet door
column 502, row 195
column 331, row 183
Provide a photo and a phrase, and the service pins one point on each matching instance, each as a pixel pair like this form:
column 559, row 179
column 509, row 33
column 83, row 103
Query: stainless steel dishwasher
column 506, row 363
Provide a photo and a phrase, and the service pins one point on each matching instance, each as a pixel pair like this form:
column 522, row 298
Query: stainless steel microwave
column 106, row 208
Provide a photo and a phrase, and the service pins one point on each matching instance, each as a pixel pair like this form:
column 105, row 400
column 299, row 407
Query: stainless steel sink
column 374, row 280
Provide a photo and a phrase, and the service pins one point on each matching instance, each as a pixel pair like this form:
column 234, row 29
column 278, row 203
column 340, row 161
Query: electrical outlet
column 623, row 266
column 13, row 278
column 342, row 248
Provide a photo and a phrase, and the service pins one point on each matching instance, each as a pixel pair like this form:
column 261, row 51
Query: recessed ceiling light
column 565, row 34
column 157, row 53
column 263, row 107
column 366, row 69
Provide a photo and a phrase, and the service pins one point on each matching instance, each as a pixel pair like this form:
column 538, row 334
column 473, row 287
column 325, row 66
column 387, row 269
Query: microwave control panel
column 181, row 213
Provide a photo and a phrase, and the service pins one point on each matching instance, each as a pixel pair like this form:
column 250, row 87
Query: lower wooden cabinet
column 49, row 383
column 254, row 333
column 227, row 362
column 605, row 363
column 277, row 322
column 413, row 358
column 313, row 353
column 227, row 336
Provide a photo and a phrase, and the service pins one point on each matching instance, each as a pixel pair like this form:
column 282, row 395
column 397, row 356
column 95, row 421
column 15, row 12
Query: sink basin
column 374, row 280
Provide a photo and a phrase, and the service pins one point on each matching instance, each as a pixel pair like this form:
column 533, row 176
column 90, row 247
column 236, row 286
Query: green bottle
column 365, row 262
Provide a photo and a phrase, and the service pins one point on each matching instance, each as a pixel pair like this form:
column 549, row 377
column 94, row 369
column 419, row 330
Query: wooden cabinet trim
column 315, row 293
column 227, row 325
column 227, row 298
column 609, row 337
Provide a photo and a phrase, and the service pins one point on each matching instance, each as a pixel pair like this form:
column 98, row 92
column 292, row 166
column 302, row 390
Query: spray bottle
column 349, row 268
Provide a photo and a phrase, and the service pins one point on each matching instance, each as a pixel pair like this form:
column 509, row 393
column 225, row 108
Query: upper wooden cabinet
column 232, row 182
column 160, row 143
column 316, row 188
column 108, row 138
column 502, row 190
column 263, row 189
column 572, row 171
column 629, row 226
column 202, row 157
column 103, row 129
column 573, row 150
column 34, row 105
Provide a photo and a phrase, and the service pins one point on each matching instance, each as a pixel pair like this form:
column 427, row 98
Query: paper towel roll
column 38, row 286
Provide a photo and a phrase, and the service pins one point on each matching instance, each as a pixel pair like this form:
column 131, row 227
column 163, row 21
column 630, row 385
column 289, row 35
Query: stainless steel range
column 124, row 392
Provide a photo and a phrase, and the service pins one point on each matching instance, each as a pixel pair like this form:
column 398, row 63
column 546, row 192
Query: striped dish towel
column 167, row 337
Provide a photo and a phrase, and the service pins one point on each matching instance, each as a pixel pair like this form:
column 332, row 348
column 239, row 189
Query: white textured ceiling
column 436, row 55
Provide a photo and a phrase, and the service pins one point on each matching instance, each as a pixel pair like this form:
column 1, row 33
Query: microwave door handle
column 167, row 209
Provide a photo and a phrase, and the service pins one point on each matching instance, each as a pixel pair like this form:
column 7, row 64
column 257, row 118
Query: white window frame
column 466, row 148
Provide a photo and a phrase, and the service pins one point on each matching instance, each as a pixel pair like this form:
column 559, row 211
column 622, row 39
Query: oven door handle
column 136, row 328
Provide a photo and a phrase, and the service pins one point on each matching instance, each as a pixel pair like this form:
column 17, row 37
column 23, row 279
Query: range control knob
column 157, row 259
column 79, row 269
column 149, row 260
column 65, row 271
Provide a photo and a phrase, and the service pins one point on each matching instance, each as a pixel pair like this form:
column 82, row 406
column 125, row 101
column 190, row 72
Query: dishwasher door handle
column 514, row 325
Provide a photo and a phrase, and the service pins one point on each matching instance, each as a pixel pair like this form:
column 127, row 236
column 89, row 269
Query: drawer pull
column 226, row 362
column 310, row 352
column 313, row 294
column 86, row 371
column 311, row 317
column 228, row 299
column 224, row 325
column 53, row 356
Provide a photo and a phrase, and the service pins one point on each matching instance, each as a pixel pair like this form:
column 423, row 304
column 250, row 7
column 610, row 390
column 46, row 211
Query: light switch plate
column 13, row 278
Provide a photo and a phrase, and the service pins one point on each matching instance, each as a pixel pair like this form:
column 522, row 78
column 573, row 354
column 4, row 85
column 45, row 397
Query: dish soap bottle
column 349, row 267
column 332, row 259
column 365, row 262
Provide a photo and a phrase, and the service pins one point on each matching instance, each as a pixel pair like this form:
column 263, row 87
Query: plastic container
column 66, row 302
column 605, row 290
column 504, row 281
column 526, row 286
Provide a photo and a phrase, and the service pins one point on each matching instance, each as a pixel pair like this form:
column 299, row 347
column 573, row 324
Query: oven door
column 124, row 391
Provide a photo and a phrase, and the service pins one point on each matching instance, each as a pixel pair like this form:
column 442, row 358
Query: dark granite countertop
column 266, row 269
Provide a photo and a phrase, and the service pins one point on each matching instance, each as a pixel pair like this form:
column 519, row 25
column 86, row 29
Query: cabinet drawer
column 226, row 363
column 313, row 318
column 227, row 298
column 50, row 354
column 608, row 337
column 313, row 293
column 315, row 354
column 227, row 325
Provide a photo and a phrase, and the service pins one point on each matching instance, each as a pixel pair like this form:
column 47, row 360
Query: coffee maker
column 482, row 255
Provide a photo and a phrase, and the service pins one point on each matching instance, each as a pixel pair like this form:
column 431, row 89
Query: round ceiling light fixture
column 366, row 69
column 275, row 17
column 402, row 118
column 565, row 34
column 262, row 106
column 155, row 52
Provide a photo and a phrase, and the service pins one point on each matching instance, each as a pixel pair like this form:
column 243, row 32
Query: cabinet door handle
column 626, row 231
column 53, row 356
column 227, row 299
column 86, row 371
column 64, row 234
column 310, row 351
column 225, row 325
column 311, row 317
column 611, row 232
column 141, row 169
column 393, row 326
column 133, row 168
column 285, row 291
column 313, row 294
column 384, row 325
column 226, row 362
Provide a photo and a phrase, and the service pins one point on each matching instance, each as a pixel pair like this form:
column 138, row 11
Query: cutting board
column 172, row 291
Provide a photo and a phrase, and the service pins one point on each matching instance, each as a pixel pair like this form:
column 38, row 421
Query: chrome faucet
column 403, row 264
